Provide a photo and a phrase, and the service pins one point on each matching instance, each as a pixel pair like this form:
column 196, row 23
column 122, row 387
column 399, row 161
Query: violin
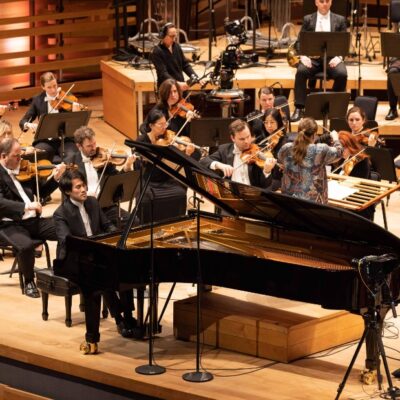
column 256, row 155
column 181, row 142
column 42, row 169
column 181, row 108
column 104, row 156
column 274, row 139
column 64, row 101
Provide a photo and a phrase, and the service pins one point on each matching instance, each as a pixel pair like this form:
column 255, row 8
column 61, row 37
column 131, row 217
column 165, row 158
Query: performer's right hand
column 183, row 85
column 30, row 125
column 306, row 61
column 34, row 206
column 225, row 168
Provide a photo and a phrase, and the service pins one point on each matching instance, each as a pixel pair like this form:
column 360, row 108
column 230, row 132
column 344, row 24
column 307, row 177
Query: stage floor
column 25, row 337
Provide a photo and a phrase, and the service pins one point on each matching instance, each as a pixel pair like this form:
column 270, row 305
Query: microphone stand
column 198, row 376
column 358, row 45
column 150, row 368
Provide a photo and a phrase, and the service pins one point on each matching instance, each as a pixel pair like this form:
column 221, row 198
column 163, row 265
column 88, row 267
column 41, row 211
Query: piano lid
column 259, row 204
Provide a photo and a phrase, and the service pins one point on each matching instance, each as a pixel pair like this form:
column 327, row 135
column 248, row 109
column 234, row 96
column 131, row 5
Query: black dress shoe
column 124, row 330
column 297, row 115
column 31, row 290
column 392, row 114
column 130, row 322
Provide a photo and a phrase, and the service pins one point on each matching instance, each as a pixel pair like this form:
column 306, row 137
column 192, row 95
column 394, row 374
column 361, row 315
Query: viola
column 104, row 156
column 170, row 138
column 64, row 101
column 42, row 169
column 181, row 108
column 256, row 155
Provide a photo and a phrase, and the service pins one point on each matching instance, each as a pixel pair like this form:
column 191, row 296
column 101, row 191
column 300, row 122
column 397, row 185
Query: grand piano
column 262, row 242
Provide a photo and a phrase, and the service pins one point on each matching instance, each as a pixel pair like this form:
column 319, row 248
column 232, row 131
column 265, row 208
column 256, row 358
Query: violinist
column 43, row 104
column 356, row 120
column 169, row 104
column 168, row 195
column 169, row 60
column 355, row 163
column 303, row 163
column 85, row 140
column 21, row 221
column 228, row 158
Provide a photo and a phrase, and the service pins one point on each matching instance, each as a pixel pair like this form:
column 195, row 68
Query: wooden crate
column 263, row 331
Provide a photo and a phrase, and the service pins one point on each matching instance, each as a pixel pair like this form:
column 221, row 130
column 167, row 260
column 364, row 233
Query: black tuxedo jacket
column 11, row 204
column 68, row 221
column 225, row 155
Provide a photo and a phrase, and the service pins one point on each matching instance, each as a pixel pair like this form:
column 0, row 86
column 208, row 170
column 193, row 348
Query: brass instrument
column 292, row 57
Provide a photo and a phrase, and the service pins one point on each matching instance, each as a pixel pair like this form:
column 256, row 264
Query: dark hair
column 276, row 115
column 354, row 110
column 82, row 133
column 153, row 116
column 265, row 90
column 7, row 144
column 164, row 29
column 305, row 136
column 165, row 89
column 237, row 126
column 67, row 177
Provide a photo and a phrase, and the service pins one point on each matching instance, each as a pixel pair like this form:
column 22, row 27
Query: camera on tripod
column 232, row 57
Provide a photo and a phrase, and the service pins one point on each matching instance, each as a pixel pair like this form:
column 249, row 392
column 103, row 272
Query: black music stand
column 327, row 105
column 210, row 132
column 60, row 126
column 324, row 44
column 118, row 189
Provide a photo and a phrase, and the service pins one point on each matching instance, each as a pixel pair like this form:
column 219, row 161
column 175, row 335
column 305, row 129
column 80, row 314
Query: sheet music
column 337, row 191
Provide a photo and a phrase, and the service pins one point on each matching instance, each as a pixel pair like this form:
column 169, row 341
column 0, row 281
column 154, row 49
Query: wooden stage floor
column 26, row 338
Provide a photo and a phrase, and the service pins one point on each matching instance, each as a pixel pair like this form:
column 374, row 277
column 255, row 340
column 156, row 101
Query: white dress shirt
column 91, row 176
column 240, row 170
column 323, row 22
column 84, row 215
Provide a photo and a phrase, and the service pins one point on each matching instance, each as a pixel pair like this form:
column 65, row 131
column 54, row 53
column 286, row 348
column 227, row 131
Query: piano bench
column 48, row 283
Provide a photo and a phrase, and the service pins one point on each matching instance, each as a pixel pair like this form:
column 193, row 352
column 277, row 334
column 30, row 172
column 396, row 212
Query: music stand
column 118, row 189
column 324, row 44
column 60, row 126
column 327, row 105
column 210, row 132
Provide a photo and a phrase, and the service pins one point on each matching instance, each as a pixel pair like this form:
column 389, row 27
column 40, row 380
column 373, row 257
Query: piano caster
column 368, row 376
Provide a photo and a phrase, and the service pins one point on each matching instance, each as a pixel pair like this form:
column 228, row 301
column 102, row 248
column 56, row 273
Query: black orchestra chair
column 369, row 104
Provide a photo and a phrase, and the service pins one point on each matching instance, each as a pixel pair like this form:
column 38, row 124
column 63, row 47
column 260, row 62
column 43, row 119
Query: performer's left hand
column 269, row 165
column 189, row 149
column 335, row 61
column 128, row 166
column 59, row 170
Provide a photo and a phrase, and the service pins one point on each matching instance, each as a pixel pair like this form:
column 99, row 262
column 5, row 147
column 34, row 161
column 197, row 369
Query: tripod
column 372, row 332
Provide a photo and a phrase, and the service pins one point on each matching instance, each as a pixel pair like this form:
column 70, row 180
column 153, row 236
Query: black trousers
column 393, row 99
column 22, row 235
column 53, row 148
column 338, row 74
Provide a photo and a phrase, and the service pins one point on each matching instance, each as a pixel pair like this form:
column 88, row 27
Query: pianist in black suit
column 321, row 21
column 21, row 223
column 80, row 215
column 41, row 105
column 228, row 158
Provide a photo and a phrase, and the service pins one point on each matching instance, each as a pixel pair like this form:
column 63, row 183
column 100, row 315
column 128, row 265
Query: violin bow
column 62, row 98
column 104, row 170
column 261, row 113
column 347, row 161
column 36, row 176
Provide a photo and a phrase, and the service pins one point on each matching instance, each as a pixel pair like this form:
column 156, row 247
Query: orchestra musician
column 356, row 120
column 85, row 140
column 355, row 163
column 21, row 221
column 170, row 95
column 81, row 215
column 303, row 163
column 394, row 67
column 321, row 21
column 227, row 158
column 169, row 60
column 164, row 194
column 43, row 104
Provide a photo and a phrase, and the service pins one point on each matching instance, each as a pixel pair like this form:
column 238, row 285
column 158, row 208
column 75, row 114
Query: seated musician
column 321, row 21
column 170, row 95
column 228, row 158
column 355, row 163
column 21, row 221
column 42, row 104
column 80, row 215
column 84, row 158
column 303, row 163
column 394, row 67
column 164, row 195
column 356, row 120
